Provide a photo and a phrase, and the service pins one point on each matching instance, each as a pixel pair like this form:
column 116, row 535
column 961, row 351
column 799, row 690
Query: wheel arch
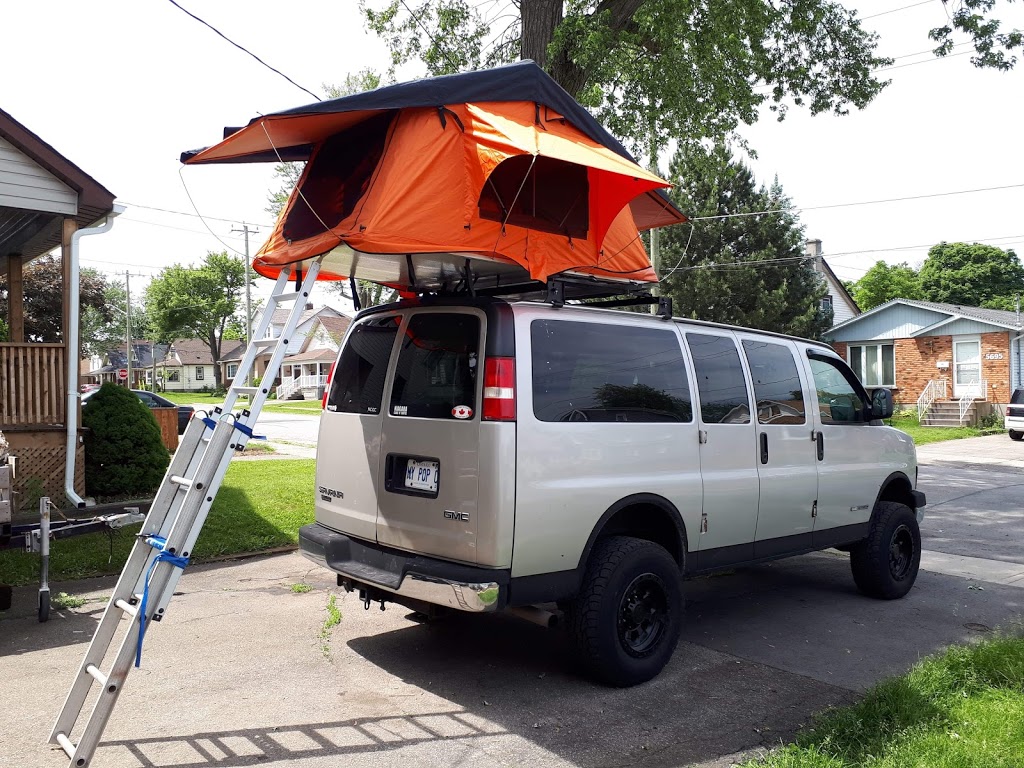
column 896, row 487
column 645, row 516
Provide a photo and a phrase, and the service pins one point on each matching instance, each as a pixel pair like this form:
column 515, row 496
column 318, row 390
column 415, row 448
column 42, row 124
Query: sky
column 122, row 87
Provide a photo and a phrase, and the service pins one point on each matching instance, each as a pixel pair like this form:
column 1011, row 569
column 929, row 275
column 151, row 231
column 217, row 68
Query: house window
column 232, row 370
column 874, row 364
column 199, row 373
column 174, row 376
column 826, row 303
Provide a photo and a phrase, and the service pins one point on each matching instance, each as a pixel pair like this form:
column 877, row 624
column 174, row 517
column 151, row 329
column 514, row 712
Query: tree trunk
column 540, row 20
column 215, row 354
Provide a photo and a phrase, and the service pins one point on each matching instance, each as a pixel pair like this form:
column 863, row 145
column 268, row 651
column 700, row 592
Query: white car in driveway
column 1014, row 420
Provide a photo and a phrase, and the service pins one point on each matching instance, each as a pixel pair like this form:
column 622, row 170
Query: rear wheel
column 627, row 617
column 885, row 564
column 1015, row 435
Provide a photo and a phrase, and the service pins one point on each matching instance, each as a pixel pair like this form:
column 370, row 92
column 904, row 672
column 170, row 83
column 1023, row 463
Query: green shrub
column 123, row 450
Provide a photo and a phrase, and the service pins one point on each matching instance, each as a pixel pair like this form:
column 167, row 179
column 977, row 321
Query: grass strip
column 963, row 708
column 258, row 507
column 925, row 435
column 333, row 619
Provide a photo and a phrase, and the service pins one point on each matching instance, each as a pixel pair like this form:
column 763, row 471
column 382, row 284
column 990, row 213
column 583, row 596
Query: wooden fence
column 33, row 384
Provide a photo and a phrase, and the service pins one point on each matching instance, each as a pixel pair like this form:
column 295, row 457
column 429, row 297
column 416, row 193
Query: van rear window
column 436, row 374
column 358, row 382
column 607, row 373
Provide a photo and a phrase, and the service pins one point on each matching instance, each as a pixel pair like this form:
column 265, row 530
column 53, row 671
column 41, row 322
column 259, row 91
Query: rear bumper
column 413, row 577
column 1016, row 423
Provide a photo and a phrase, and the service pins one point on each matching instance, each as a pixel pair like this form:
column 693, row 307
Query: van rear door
column 430, row 441
column 348, row 447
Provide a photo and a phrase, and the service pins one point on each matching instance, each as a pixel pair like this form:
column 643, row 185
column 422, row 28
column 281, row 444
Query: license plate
column 422, row 475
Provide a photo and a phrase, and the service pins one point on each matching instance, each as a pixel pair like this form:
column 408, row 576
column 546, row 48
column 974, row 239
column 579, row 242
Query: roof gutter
column 71, row 416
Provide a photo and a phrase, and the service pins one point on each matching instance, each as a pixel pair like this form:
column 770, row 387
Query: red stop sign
column 122, row 374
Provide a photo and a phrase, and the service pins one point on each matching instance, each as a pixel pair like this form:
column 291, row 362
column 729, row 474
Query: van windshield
column 436, row 373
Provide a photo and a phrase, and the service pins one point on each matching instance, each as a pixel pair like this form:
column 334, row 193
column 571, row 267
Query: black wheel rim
column 643, row 615
column 901, row 553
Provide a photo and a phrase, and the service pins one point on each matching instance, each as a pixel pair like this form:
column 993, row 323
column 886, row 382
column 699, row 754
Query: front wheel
column 885, row 564
column 1015, row 435
column 627, row 617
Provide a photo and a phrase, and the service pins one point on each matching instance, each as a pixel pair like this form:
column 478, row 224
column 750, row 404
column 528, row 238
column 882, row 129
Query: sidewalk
column 990, row 450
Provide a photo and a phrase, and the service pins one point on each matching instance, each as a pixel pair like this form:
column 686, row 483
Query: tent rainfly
column 407, row 184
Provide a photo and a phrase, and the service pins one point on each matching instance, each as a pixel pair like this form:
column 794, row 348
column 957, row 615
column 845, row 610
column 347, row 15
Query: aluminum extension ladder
column 170, row 530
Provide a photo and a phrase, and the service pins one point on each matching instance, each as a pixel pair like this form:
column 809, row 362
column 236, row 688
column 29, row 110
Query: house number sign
column 993, row 355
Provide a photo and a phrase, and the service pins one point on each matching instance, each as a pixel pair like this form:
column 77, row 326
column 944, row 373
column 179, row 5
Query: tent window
column 553, row 197
column 339, row 176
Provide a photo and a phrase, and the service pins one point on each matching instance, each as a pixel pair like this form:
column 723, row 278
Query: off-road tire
column 1015, row 435
column 629, row 583
column 886, row 563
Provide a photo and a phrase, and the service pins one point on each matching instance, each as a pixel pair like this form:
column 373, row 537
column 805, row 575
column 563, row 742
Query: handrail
column 934, row 390
column 309, row 381
column 967, row 400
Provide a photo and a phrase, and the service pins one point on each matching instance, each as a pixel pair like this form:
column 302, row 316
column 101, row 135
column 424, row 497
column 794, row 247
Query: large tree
column 733, row 267
column 197, row 302
column 973, row 275
column 104, row 328
column 885, row 282
column 44, row 297
column 654, row 69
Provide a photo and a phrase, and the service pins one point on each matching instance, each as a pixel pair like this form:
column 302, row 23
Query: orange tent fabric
column 506, row 184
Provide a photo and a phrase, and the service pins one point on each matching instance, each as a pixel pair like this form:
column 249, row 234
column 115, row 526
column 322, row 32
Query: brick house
column 934, row 355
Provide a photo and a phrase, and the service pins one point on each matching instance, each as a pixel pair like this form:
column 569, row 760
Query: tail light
column 500, row 389
column 327, row 386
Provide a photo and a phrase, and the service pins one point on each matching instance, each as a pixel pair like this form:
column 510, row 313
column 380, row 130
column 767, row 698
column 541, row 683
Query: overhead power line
column 858, row 203
column 896, row 10
column 245, row 50
column 193, row 215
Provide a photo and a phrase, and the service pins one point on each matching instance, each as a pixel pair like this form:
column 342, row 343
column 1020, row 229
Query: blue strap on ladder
column 157, row 542
column 247, row 431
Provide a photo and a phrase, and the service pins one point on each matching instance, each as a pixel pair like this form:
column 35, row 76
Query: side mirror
column 881, row 404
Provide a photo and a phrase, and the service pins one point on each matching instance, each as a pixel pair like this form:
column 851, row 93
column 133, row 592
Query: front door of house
column 967, row 367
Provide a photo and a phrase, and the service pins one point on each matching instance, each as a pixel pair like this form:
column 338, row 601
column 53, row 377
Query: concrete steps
column 946, row 413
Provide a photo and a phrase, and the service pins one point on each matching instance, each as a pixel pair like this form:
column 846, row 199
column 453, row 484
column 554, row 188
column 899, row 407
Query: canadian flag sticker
column 462, row 412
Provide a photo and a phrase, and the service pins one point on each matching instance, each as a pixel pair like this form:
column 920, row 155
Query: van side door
column 786, row 455
column 728, row 452
column 848, row 452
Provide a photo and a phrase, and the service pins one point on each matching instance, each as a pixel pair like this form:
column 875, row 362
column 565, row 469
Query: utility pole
column 655, row 256
column 248, row 298
column 128, row 327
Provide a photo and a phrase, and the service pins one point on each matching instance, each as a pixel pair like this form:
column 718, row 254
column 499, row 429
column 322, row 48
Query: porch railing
column 291, row 386
column 966, row 400
column 935, row 390
column 33, row 384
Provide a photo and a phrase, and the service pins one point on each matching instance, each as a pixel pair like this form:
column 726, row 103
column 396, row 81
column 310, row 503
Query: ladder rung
column 245, row 390
column 128, row 608
column 266, row 342
column 96, row 675
column 66, row 745
column 183, row 481
column 290, row 296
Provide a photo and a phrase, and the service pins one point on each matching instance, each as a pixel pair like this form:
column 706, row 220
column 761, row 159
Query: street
column 246, row 670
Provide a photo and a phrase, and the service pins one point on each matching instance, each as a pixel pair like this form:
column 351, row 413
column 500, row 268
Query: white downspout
column 71, row 416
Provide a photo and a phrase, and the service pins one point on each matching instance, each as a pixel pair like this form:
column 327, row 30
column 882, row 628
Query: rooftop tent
column 406, row 183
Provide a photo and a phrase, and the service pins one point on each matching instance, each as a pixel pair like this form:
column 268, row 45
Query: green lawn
column 260, row 505
column 925, row 435
column 193, row 398
column 961, row 709
column 209, row 400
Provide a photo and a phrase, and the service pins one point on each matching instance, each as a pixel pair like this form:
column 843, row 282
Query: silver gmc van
column 480, row 454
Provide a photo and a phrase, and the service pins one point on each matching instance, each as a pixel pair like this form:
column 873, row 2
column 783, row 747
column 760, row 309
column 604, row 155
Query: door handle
column 821, row 446
column 764, row 447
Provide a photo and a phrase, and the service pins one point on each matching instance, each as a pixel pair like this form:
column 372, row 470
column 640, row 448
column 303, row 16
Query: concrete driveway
column 243, row 672
column 990, row 451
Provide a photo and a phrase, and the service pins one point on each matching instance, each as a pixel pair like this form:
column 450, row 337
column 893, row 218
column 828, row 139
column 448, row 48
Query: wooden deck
column 33, row 384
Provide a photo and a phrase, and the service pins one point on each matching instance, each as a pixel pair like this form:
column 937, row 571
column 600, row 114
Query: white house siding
column 841, row 310
column 24, row 184
column 187, row 380
column 896, row 322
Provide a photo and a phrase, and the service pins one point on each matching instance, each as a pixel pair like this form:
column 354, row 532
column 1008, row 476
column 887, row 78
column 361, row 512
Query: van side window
column 720, row 382
column 777, row 387
column 437, row 367
column 839, row 401
column 607, row 373
column 358, row 382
